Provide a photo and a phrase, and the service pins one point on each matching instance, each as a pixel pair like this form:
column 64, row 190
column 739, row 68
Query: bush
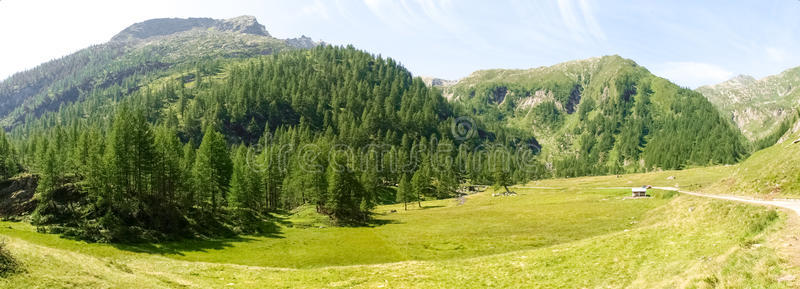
column 8, row 264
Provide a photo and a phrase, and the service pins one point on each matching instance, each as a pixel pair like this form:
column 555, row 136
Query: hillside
column 602, row 115
column 771, row 172
column 758, row 107
column 142, row 51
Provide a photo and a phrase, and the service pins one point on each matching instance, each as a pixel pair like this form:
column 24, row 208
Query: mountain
column 602, row 115
column 758, row 106
column 170, row 26
column 143, row 50
column 187, row 127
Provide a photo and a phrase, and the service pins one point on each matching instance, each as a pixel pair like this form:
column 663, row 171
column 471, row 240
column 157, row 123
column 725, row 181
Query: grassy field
column 571, row 237
column 442, row 229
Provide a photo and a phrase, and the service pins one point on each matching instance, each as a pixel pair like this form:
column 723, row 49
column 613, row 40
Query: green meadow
column 561, row 233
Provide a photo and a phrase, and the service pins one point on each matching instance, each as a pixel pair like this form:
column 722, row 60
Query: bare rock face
column 302, row 42
column 437, row 82
column 169, row 26
column 242, row 24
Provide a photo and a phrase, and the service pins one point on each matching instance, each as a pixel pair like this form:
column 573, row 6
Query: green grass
column 441, row 230
column 575, row 236
column 771, row 172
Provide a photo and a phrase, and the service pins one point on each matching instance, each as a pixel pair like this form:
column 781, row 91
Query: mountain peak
column 245, row 24
column 168, row 26
column 743, row 79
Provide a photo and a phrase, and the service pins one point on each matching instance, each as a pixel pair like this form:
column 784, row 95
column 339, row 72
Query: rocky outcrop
column 302, row 42
column 437, row 82
column 169, row 26
column 16, row 196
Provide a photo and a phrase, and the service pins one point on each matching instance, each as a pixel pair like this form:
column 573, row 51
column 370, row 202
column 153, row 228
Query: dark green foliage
column 8, row 264
column 344, row 193
column 548, row 115
column 212, row 169
column 8, row 162
column 779, row 131
column 405, row 192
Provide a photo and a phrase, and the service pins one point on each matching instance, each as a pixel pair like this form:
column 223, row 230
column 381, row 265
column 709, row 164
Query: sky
column 692, row 43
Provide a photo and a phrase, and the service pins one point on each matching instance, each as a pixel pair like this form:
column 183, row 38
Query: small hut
column 639, row 192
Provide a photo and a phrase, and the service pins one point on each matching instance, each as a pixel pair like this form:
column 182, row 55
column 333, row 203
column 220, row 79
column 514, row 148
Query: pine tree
column 8, row 163
column 501, row 177
column 421, row 182
column 167, row 172
column 404, row 192
column 344, row 191
column 244, row 186
column 130, row 158
column 212, row 168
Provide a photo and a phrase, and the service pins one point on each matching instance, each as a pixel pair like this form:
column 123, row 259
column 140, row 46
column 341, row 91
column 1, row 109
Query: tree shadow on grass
column 265, row 229
column 380, row 222
column 180, row 247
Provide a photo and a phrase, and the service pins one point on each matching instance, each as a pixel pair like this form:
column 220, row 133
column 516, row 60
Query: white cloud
column 591, row 23
column 580, row 21
column 692, row 74
column 316, row 9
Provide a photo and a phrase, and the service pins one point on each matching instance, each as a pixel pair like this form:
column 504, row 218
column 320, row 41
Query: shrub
column 8, row 264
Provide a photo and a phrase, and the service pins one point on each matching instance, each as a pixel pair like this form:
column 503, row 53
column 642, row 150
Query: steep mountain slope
column 140, row 51
column 758, row 107
column 602, row 115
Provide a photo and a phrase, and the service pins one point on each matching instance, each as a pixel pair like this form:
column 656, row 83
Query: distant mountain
column 143, row 50
column 169, row 26
column 757, row 107
column 602, row 115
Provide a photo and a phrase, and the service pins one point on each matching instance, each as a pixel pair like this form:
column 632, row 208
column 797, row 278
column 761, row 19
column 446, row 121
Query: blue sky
column 689, row 42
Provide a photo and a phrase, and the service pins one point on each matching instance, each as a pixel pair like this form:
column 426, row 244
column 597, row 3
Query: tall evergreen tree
column 405, row 191
column 212, row 168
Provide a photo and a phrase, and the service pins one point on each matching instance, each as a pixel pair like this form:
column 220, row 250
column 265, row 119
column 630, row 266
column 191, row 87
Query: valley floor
column 574, row 236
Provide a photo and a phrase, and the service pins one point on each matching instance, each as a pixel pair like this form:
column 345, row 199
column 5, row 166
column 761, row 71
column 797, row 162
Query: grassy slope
column 771, row 172
column 655, row 243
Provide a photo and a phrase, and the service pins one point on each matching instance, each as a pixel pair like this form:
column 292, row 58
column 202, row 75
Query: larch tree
column 212, row 168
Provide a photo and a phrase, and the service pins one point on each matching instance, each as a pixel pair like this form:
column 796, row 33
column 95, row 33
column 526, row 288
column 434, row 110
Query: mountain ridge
column 757, row 106
column 166, row 26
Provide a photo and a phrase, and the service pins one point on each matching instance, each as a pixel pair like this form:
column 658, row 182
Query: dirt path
column 788, row 204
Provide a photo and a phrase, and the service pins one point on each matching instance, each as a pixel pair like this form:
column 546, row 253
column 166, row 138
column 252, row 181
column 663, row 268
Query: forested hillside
column 602, row 116
column 214, row 147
